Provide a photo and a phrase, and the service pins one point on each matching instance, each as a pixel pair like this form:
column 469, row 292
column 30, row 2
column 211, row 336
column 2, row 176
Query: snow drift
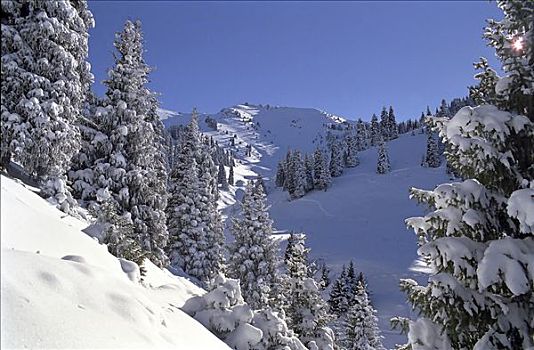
column 62, row 289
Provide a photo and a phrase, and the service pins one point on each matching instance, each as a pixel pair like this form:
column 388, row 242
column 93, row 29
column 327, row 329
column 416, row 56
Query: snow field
column 62, row 289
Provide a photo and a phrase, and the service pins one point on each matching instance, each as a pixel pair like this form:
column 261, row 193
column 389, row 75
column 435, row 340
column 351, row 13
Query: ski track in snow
column 319, row 205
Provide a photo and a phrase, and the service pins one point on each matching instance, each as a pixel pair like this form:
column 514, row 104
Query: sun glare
column 518, row 44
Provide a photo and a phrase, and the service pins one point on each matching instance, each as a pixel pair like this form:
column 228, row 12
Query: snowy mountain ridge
column 269, row 130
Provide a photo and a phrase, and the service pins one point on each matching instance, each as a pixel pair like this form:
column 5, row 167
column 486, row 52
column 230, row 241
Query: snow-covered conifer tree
column 280, row 174
column 224, row 312
column 325, row 277
column 383, row 166
column 93, row 147
column 338, row 294
column 484, row 92
column 361, row 324
column 231, row 176
column 336, row 158
column 361, row 136
column 207, row 170
column 306, row 312
column 45, row 80
column 134, row 170
column 208, row 194
column 253, row 256
column 308, row 166
column 221, row 177
column 392, row 124
column 375, row 132
column 194, row 224
column 432, row 156
column 119, row 235
column 351, row 158
column 285, row 162
column 259, row 182
column 443, row 111
column 321, row 173
column 478, row 237
column 296, row 176
column 276, row 333
column 361, row 279
column 184, row 221
column 384, row 124
column 14, row 87
column 351, row 283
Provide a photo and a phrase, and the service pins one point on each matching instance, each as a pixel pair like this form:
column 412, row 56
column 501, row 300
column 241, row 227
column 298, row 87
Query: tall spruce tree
column 375, row 132
column 361, row 324
column 321, row 173
column 384, row 124
column 45, row 80
column 306, row 312
column 443, row 111
column 280, row 174
column 135, row 168
column 184, row 221
column 308, row 167
column 432, row 156
column 296, row 176
column 351, row 283
column 352, row 146
column 213, row 244
column 193, row 220
column 338, row 301
column 13, row 130
column 392, row 124
column 221, row 177
column 383, row 166
column 207, row 169
column 324, row 281
column 478, row 238
column 286, row 161
column 336, row 158
column 512, row 40
column 253, row 256
column 362, row 141
column 231, row 176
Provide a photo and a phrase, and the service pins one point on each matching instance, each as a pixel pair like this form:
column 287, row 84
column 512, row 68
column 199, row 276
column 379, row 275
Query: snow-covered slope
column 49, row 263
column 360, row 218
column 271, row 131
column 165, row 113
column 62, row 289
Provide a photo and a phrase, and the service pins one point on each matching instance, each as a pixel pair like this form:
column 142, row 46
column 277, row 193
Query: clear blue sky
column 348, row 58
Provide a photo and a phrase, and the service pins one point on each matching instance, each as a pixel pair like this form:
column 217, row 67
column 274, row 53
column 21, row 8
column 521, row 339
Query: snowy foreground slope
column 61, row 289
column 360, row 217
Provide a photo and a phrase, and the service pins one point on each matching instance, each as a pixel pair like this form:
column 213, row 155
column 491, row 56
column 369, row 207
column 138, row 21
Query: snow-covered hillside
column 49, row 261
column 360, row 217
column 50, row 264
column 271, row 131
